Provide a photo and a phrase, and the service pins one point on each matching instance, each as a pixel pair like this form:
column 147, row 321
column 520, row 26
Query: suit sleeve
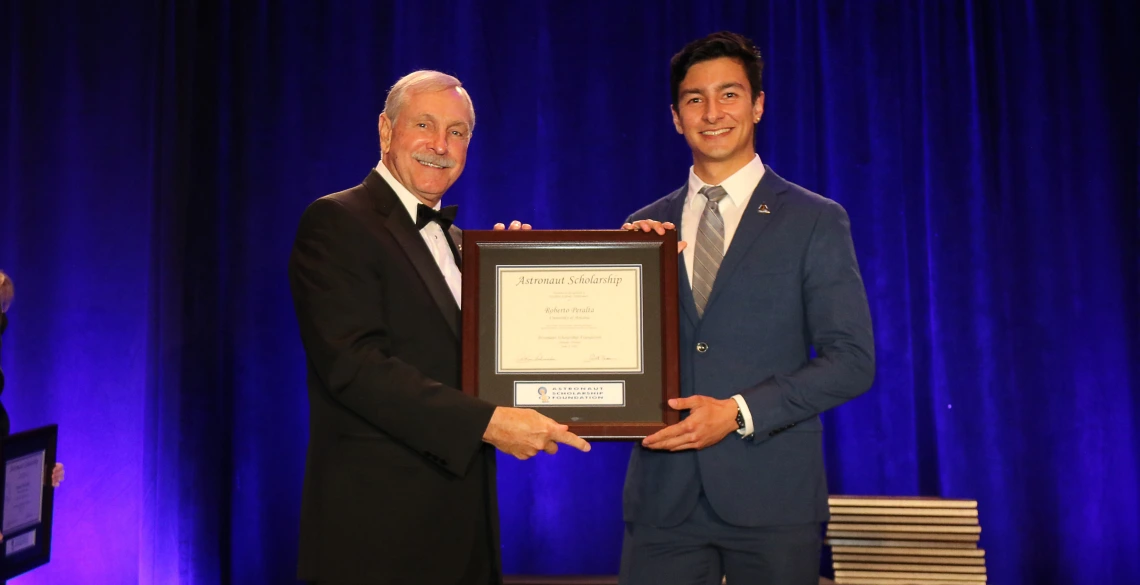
column 839, row 329
column 652, row 211
column 337, row 291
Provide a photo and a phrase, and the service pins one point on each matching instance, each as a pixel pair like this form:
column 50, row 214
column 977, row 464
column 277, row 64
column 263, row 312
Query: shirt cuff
column 748, row 429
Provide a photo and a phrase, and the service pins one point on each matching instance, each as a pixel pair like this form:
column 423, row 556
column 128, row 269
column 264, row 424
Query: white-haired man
column 7, row 292
column 399, row 480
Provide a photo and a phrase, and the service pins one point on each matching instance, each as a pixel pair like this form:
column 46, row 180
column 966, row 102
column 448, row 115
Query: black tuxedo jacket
column 5, row 426
column 399, row 486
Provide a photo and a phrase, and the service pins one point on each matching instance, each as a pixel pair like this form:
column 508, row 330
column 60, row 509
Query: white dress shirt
column 433, row 236
column 739, row 188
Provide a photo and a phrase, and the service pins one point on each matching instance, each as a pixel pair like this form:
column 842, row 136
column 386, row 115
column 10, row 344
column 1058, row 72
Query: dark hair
column 715, row 46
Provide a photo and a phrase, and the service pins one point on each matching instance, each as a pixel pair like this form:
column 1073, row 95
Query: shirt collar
column 411, row 202
column 739, row 186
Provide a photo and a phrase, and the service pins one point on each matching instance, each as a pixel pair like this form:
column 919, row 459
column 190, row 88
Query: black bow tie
column 445, row 217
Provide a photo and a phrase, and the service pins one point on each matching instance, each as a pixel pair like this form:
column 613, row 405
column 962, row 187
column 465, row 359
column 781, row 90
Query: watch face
column 739, row 419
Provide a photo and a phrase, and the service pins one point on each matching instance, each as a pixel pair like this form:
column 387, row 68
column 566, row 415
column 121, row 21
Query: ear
column 385, row 128
column 676, row 120
column 758, row 108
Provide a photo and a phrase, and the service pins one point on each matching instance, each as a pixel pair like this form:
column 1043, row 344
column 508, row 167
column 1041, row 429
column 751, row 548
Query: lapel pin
column 764, row 208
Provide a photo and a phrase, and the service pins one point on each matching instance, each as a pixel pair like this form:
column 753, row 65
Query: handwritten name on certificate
column 569, row 319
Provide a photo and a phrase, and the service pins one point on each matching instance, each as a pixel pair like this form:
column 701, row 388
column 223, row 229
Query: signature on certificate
column 535, row 358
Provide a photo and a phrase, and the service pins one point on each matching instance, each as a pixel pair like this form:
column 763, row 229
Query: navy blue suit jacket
column 789, row 283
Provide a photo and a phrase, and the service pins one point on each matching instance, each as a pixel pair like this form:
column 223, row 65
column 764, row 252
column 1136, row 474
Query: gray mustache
column 439, row 161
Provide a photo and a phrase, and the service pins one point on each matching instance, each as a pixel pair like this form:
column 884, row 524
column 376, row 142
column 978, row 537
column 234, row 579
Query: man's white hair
column 423, row 80
column 7, row 291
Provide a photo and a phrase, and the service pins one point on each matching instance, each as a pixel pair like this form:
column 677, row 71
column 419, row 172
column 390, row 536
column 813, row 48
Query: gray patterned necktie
column 709, row 250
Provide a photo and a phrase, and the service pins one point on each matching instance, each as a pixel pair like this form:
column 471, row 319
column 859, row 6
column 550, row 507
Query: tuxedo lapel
column 763, row 208
column 404, row 231
column 456, row 236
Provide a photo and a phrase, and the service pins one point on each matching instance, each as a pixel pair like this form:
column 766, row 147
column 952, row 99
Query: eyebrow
column 719, row 88
column 428, row 116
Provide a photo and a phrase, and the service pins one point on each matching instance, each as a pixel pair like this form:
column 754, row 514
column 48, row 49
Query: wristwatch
column 739, row 419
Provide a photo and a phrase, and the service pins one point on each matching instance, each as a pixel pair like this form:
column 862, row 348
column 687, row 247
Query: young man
column 768, row 271
column 399, row 481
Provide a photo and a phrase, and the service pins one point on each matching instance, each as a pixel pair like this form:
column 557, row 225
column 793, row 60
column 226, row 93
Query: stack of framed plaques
column 882, row 540
column 579, row 325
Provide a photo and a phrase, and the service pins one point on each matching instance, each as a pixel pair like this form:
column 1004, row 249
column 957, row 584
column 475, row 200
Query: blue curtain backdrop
column 156, row 157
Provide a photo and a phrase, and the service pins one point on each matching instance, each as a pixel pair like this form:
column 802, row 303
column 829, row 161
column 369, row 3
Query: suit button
column 702, row 347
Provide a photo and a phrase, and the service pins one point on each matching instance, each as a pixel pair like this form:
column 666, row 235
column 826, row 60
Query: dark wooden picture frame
column 38, row 554
column 657, row 257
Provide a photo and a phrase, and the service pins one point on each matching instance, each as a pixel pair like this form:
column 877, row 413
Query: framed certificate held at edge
column 25, row 519
column 579, row 325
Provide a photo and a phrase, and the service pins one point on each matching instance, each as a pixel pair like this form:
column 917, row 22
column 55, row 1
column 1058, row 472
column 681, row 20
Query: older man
column 6, row 293
column 399, row 484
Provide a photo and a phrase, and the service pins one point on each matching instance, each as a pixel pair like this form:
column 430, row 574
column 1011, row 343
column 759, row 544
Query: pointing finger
column 568, row 438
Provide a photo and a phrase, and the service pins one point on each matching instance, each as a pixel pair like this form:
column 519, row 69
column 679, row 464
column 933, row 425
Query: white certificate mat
column 564, row 319
column 23, row 491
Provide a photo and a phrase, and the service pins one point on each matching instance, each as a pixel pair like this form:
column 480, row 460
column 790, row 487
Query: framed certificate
column 25, row 518
column 579, row 325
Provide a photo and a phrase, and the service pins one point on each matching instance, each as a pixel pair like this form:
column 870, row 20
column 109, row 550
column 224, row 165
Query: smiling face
column 425, row 147
column 715, row 114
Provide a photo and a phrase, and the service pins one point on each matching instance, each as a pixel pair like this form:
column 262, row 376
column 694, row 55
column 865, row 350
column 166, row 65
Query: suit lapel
column 675, row 212
column 403, row 230
column 768, row 197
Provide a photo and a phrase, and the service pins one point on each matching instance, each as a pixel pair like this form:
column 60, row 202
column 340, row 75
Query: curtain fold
column 156, row 157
